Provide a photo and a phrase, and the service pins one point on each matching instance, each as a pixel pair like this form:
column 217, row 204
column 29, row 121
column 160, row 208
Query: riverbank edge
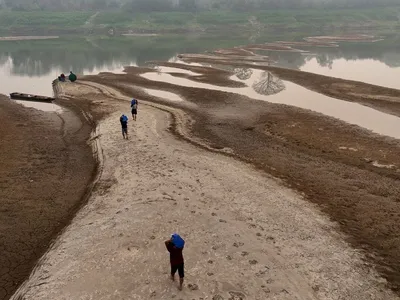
column 91, row 139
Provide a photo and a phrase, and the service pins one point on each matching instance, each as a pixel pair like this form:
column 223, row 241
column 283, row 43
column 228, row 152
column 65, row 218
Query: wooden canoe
column 29, row 97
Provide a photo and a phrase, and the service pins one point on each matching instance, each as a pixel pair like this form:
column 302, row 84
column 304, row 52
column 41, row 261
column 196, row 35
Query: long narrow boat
column 29, row 97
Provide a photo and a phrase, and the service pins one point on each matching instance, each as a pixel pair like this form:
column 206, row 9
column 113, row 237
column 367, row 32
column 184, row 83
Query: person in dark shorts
column 175, row 247
column 134, row 106
column 124, row 124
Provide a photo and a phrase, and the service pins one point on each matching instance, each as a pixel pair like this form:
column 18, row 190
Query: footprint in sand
column 271, row 238
column 253, row 262
column 193, row 286
column 236, row 296
column 266, row 290
column 217, row 297
column 270, row 281
column 261, row 273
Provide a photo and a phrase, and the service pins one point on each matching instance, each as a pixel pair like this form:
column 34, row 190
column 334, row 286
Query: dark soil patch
column 45, row 167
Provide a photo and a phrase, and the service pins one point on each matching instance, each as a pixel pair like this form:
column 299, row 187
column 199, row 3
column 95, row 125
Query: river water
column 30, row 67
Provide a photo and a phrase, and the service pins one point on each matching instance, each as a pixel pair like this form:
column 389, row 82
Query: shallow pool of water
column 164, row 94
column 365, row 70
column 175, row 70
column 49, row 107
column 301, row 97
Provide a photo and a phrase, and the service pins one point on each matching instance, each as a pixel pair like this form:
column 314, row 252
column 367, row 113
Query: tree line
column 187, row 5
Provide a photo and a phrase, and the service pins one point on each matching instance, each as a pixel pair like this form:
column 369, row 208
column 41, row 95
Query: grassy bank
column 44, row 22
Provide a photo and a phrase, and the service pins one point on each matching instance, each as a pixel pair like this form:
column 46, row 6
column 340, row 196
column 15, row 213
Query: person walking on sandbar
column 134, row 106
column 124, row 124
column 175, row 247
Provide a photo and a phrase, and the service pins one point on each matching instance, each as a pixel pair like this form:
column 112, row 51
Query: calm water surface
column 30, row 66
column 370, row 71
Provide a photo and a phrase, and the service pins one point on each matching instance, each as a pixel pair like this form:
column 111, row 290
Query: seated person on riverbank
column 61, row 77
column 72, row 77
column 124, row 124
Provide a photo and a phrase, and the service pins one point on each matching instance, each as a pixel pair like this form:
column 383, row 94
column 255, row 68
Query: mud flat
column 45, row 168
column 248, row 236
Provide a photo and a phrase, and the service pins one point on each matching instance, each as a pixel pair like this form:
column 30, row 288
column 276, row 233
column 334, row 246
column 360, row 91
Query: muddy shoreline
column 46, row 170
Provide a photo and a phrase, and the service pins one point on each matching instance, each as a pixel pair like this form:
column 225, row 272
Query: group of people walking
column 124, row 119
column 175, row 244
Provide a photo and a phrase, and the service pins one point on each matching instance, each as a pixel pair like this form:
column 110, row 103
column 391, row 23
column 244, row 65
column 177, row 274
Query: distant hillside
column 187, row 5
column 129, row 17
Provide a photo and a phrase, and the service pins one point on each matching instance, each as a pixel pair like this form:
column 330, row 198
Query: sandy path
column 247, row 236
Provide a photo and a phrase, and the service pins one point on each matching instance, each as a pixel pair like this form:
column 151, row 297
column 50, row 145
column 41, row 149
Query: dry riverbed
column 248, row 237
column 328, row 228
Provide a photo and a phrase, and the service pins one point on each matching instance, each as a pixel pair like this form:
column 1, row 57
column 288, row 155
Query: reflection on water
column 298, row 96
column 366, row 70
column 264, row 83
column 11, row 81
column 30, row 66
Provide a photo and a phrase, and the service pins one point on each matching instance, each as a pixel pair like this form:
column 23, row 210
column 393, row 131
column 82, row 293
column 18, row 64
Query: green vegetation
column 187, row 5
column 305, row 19
column 25, row 23
column 40, row 18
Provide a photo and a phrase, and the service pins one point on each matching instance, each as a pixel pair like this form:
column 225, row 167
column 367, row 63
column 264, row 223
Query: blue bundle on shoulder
column 178, row 241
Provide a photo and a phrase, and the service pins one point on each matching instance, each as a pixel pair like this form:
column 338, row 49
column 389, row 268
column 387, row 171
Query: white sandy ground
column 247, row 236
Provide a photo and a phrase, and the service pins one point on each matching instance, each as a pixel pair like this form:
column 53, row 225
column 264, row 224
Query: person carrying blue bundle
column 134, row 107
column 175, row 247
column 124, row 124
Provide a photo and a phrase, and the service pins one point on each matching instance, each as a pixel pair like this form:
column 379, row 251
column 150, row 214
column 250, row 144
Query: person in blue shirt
column 124, row 124
column 134, row 106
